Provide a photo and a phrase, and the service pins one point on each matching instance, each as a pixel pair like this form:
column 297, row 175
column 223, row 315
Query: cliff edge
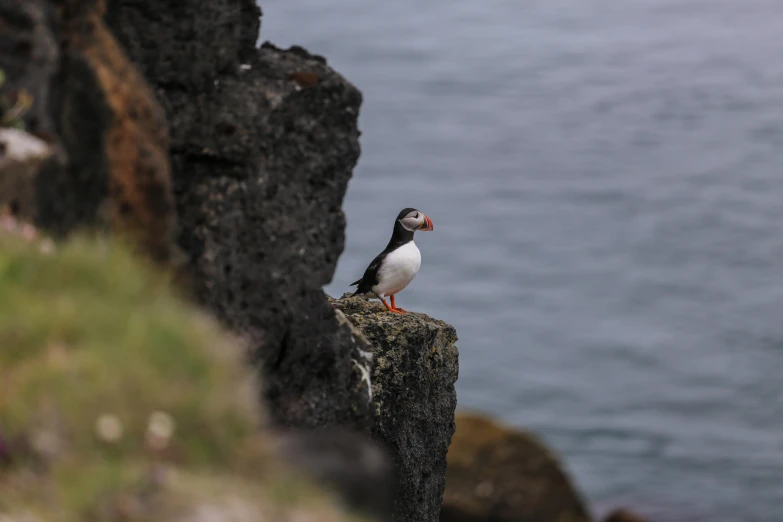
column 415, row 366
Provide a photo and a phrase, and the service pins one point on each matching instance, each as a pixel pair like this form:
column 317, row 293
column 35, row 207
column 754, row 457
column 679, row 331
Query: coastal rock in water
column 500, row 474
column 414, row 371
column 623, row 515
column 261, row 164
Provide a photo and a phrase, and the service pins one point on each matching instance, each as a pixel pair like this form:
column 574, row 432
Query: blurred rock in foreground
column 346, row 462
column 121, row 403
column 92, row 106
column 415, row 366
column 22, row 156
column 500, row 474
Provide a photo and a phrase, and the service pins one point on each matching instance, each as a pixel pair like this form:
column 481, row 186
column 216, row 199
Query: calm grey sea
column 606, row 182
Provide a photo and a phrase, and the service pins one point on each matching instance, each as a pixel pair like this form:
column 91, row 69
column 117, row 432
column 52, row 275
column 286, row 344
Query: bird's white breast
column 398, row 270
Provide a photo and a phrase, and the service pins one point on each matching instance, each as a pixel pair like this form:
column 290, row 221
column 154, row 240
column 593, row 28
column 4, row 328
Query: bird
column 394, row 268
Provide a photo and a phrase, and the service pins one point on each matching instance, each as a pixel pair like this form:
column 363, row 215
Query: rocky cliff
column 263, row 142
column 229, row 163
column 414, row 371
column 163, row 123
column 234, row 157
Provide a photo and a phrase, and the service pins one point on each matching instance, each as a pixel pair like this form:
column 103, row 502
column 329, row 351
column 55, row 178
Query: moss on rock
column 120, row 402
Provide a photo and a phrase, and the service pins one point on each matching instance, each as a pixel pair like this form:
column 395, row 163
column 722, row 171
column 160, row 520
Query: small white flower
column 160, row 429
column 108, row 428
column 46, row 246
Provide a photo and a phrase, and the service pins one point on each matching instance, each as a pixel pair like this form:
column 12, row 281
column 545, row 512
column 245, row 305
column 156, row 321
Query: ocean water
column 606, row 182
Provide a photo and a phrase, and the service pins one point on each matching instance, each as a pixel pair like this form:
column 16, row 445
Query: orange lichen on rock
column 135, row 139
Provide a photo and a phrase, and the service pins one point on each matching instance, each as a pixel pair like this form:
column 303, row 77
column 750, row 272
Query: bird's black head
column 412, row 220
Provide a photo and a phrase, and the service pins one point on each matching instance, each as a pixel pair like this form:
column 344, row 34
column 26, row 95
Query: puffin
column 394, row 268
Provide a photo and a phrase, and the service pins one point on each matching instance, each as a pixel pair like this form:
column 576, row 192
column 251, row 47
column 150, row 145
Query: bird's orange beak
column 426, row 226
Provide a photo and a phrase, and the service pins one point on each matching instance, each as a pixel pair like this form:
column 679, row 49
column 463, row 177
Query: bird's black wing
column 370, row 277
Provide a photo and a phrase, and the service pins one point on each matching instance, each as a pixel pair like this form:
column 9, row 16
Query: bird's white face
column 416, row 220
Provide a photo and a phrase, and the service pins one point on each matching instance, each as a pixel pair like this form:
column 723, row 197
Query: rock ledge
column 415, row 366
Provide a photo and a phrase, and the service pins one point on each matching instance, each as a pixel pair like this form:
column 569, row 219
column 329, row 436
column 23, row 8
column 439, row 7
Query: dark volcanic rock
column 250, row 163
column 499, row 474
column 28, row 56
column 29, row 62
column 260, row 165
column 261, row 141
column 116, row 136
column 108, row 134
column 414, row 371
column 22, row 157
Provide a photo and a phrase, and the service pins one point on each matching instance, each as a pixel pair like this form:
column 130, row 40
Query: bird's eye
column 417, row 215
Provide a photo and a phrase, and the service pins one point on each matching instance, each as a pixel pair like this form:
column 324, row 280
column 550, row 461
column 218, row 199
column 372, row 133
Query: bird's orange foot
column 394, row 307
column 389, row 308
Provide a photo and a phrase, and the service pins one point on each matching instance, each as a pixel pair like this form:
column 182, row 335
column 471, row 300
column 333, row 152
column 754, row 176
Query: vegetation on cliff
column 120, row 402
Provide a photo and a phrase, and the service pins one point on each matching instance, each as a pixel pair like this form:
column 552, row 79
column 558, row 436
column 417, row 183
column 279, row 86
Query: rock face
column 115, row 133
column 499, row 474
column 414, row 371
column 90, row 102
column 347, row 463
column 22, row 156
column 263, row 144
column 29, row 56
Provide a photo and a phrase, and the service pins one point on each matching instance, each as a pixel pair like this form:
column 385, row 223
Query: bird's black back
column 400, row 236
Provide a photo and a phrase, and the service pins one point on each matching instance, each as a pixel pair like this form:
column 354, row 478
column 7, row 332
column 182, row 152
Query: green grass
column 88, row 331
